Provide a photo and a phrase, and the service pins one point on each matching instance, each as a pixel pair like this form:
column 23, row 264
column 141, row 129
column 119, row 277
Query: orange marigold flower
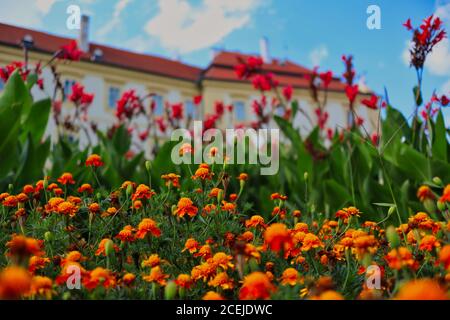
column 290, row 277
column 94, row 160
column 72, row 256
column 243, row 177
column 204, row 252
column 214, row 192
column 424, row 193
column 66, row 178
column 126, row 234
column 255, row 221
column 102, row 247
column 85, row 187
column 186, row 206
column 41, row 286
column 109, row 212
column 223, row 260
column 192, row 245
column 346, row 213
column 146, row 226
column 128, row 279
column 21, row 246
column 142, row 192
column 247, row 236
column 445, row 195
column 297, row 213
column 22, row 197
column 221, row 280
column 99, row 276
column 74, row 200
column 275, row 196
column 208, row 208
column 311, row 241
column 228, row 206
column 203, row 172
column 401, row 257
column 428, row 243
column 211, row 295
column 256, row 286
column 329, row 295
column 36, row 263
column 4, row 195
column 125, row 185
column 185, row 149
column 444, row 256
column 137, row 204
column 28, row 188
column 14, row 282
column 58, row 191
column 10, row 201
column 156, row 276
column 67, row 208
column 277, row 237
column 233, row 197
column 183, row 281
column 213, row 152
column 94, row 207
column 422, row 289
column 152, row 261
column 171, row 179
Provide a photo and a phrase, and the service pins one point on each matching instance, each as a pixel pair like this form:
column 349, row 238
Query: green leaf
column 336, row 195
column 32, row 161
column 440, row 143
column 289, row 131
column 37, row 120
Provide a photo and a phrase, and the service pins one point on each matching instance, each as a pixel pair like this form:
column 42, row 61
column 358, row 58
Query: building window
column 68, row 84
column 189, row 108
column 113, row 96
column 159, row 104
column 239, row 110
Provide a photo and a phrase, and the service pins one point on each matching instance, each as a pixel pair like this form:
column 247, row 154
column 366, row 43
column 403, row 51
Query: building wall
column 98, row 78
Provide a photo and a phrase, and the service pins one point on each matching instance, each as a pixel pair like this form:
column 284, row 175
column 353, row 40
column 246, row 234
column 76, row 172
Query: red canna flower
column 287, row 92
column 371, row 103
column 70, row 52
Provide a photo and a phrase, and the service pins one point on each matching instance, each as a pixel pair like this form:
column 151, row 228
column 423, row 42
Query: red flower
column 287, row 92
column 371, row 103
column 94, row 160
column 326, row 78
column 197, row 100
column 264, row 82
column 128, row 105
column 70, row 52
column 351, row 92
column 444, row 100
column 78, row 96
column 408, row 25
column 375, row 138
column 219, row 107
column 161, row 124
column 177, row 111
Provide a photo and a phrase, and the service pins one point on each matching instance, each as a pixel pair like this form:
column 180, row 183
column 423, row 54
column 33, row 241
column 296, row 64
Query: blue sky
column 308, row 32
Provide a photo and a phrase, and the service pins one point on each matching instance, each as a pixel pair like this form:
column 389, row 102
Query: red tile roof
column 44, row 42
column 286, row 72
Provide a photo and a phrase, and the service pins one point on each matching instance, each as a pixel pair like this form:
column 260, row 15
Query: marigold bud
column 220, row 196
column 170, row 290
column 429, row 205
column 437, row 181
column 129, row 190
column 305, row 175
column 392, row 236
column 109, row 248
column 148, row 165
column 441, row 206
column 48, row 236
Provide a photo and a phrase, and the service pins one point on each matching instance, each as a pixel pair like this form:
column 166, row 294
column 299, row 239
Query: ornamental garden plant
column 351, row 214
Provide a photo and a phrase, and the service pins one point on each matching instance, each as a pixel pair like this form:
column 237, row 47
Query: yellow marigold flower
column 156, row 276
column 211, row 295
column 290, row 277
column 14, row 282
column 422, row 289
column 186, row 206
column 256, row 285
column 222, row 280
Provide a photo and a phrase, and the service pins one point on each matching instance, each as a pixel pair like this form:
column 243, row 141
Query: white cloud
column 115, row 19
column 184, row 27
column 318, row 54
column 24, row 12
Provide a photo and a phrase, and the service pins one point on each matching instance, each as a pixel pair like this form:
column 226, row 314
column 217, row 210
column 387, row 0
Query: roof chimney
column 264, row 50
column 83, row 40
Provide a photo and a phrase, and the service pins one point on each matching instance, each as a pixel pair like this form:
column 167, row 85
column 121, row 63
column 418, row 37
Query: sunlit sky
column 308, row 32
